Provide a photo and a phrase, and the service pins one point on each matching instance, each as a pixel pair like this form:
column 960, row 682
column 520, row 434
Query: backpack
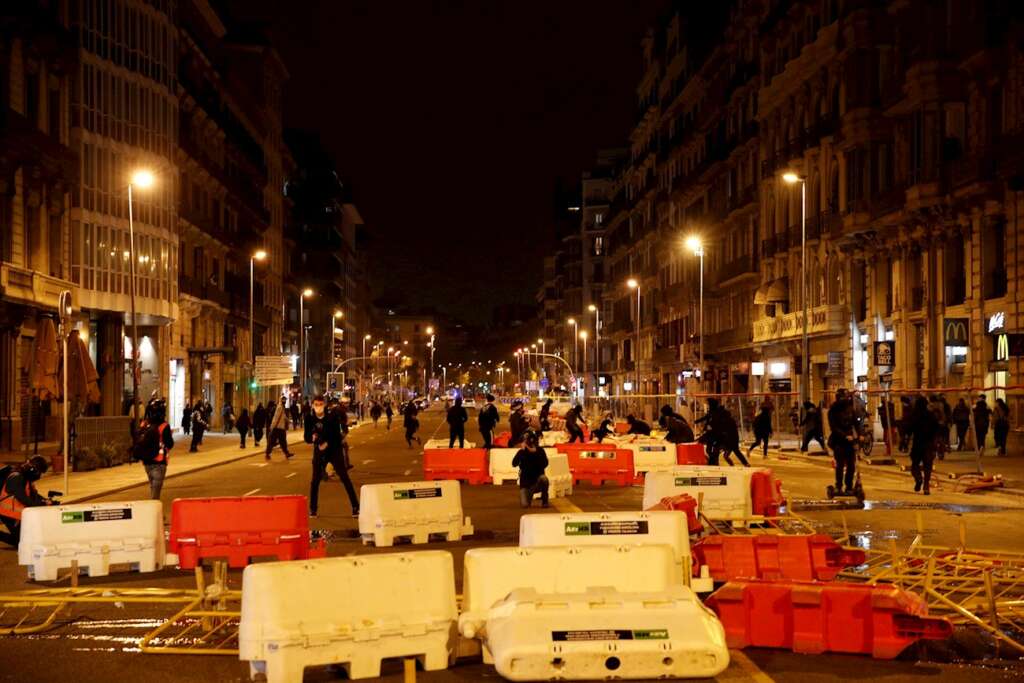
column 147, row 446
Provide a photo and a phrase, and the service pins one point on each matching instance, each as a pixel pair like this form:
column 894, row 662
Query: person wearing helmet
column 153, row 441
column 19, row 492
column 532, row 462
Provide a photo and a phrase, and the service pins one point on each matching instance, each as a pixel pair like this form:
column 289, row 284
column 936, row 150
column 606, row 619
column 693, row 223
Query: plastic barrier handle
column 933, row 628
column 844, row 557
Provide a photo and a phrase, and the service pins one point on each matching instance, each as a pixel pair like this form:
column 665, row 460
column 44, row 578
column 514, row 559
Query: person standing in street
column 545, row 416
column 982, row 416
column 389, row 413
column 411, row 423
column 962, row 422
column 457, row 418
column 186, row 419
column 517, row 423
column 843, row 439
column 487, row 419
column 725, row 435
column 532, row 462
column 323, row 431
column 925, row 433
column 242, row 425
column 199, row 425
column 813, row 428
column 762, row 429
column 375, row 412
column 153, row 445
column 573, row 418
column 259, row 423
column 278, row 430
column 227, row 414
column 1001, row 425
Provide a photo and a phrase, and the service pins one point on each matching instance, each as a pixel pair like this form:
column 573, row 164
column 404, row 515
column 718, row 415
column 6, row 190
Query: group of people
column 950, row 418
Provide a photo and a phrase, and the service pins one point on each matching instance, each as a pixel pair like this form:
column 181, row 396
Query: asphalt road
column 100, row 643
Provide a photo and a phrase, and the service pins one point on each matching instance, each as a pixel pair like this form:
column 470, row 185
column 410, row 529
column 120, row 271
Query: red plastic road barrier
column 598, row 462
column 803, row 557
column 622, row 428
column 879, row 620
column 464, row 464
column 240, row 529
column 765, row 494
column 501, row 440
column 683, row 503
column 691, row 454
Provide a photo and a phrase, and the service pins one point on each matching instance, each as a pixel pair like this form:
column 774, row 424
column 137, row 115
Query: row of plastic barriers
column 726, row 493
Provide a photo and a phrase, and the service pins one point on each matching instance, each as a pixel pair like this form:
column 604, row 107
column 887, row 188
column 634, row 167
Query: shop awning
column 761, row 295
column 778, row 291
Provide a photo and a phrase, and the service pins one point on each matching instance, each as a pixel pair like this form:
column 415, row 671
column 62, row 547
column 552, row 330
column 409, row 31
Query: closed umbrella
column 83, row 380
column 46, row 361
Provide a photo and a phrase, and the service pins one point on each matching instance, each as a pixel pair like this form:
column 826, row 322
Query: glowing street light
column 792, row 178
column 633, row 284
column 142, row 179
column 258, row 255
column 694, row 244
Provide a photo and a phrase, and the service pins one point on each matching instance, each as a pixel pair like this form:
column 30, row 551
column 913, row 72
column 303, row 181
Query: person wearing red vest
column 19, row 492
column 153, row 445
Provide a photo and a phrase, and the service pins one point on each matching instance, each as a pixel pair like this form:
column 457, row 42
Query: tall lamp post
column 338, row 316
column 597, row 343
column 694, row 244
column 307, row 292
column 792, row 178
column 543, row 350
column 433, row 344
column 583, row 336
column 632, row 283
column 257, row 255
column 362, row 379
column 143, row 180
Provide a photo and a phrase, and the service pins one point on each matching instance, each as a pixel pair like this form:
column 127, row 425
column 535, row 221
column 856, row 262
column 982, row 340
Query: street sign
column 862, row 379
column 954, row 331
column 273, row 370
column 885, row 353
column 885, row 378
column 335, row 382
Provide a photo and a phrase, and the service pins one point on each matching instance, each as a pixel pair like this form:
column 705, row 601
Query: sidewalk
column 217, row 449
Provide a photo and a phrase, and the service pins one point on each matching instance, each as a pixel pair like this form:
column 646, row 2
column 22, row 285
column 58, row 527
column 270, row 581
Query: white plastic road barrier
column 726, row 490
column 500, row 465
column 553, row 438
column 558, row 474
column 489, row 574
column 97, row 535
column 413, row 509
column 443, row 444
column 350, row 611
column 650, row 455
column 659, row 527
column 605, row 634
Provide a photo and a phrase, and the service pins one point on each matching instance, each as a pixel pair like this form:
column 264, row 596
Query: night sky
column 453, row 122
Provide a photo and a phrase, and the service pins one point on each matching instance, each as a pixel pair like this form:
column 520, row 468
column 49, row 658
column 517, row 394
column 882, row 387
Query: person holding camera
column 18, row 492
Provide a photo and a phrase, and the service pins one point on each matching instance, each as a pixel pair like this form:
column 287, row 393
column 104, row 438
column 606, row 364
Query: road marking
column 406, row 473
column 367, row 462
column 251, row 492
column 752, row 671
column 263, row 464
column 290, row 475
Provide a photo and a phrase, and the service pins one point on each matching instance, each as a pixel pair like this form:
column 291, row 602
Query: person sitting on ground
column 18, row 492
column 638, row 426
column 606, row 428
column 532, row 461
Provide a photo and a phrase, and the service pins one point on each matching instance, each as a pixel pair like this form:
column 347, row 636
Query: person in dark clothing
column 573, row 418
column 277, row 430
column 945, row 425
column 982, row 415
column 153, row 445
column 606, row 428
column 678, row 430
column 638, row 426
column 259, row 423
column 723, row 434
column 186, row 419
column 843, row 438
column 935, row 405
column 411, row 423
column 794, row 417
column 545, row 416
column 389, row 412
column 762, row 430
column 532, row 461
column 375, row 413
column 304, row 410
column 457, row 418
column 962, row 421
column 227, row 414
column 518, row 424
column 323, row 430
column 903, row 425
column 924, row 432
column 813, row 429
column 199, row 425
column 19, row 492
column 487, row 419
column 242, row 424
column 1001, row 425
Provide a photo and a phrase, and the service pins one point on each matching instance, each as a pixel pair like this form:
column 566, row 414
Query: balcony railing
column 830, row 319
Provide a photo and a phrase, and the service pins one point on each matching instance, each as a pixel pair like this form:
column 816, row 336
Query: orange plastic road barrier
column 462, row 464
column 878, row 620
column 240, row 529
column 691, row 454
column 622, row 428
column 765, row 494
column 501, row 440
column 682, row 503
column 598, row 463
column 802, row 557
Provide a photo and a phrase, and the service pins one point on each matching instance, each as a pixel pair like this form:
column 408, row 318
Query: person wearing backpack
column 199, row 425
column 152, row 444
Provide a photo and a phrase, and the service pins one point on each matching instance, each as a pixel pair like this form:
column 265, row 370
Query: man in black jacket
column 457, row 418
column 518, row 424
column 638, row 426
column 532, row 461
column 842, row 439
column 488, row 420
column 323, row 430
column 678, row 429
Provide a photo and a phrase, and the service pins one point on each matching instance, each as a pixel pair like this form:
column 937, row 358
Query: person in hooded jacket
column 457, row 418
column 813, row 428
column 762, row 429
column 843, row 439
column 961, row 418
column 982, row 416
column 186, row 419
column 545, row 416
column 573, row 418
column 518, row 424
column 277, row 433
column 606, row 428
column 411, row 423
column 925, row 433
column 19, row 492
column 638, row 426
column 323, row 430
column 259, row 423
column 243, row 424
column 677, row 428
column 725, row 433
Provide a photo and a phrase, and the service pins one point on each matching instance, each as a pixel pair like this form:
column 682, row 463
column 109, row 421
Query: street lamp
column 597, row 342
column 792, row 178
column 633, row 284
column 694, row 244
column 307, row 292
column 575, row 347
column 257, row 255
column 362, row 379
column 583, row 336
column 143, row 180
column 543, row 350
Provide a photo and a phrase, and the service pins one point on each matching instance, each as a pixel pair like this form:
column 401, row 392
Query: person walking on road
column 199, row 425
column 323, row 430
column 813, row 428
column 532, row 461
column 375, row 412
column 186, row 419
column 389, row 413
column 487, row 419
column 573, row 418
column 926, row 434
column 843, row 439
column 277, row 432
column 518, row 424
column 1001, row 425
column 982, row 415
column 962, row 421
column 259, row 423
column 242, row 425
column 638, row 426
column 456, row 419
column 152, row 445
column 545, row 416
column 762, row 429
column 724, row 434
column 411, row 423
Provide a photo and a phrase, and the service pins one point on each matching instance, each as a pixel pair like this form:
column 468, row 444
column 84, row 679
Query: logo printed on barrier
column 702, row 481
column 607, row 528
column 108, row 515
column 652, row 449
column 598, row 455
column 413, row 494
column 610, row 634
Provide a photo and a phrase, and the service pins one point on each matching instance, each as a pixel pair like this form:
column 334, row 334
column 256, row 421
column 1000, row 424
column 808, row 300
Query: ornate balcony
column 825, row 320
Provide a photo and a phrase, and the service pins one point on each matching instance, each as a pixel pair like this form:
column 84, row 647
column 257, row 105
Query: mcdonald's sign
column 954, row 331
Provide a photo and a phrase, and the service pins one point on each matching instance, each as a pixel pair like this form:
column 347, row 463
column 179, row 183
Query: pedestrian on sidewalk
column 456, row 419
column 152, row 446
column 278, row 430
column 242, row 425
column 323, row 430
column 532, row 462
column 411, row 423
column 389, row 412
column 842, row 439
column 926, row 435
column 517, row 423
column 762, row 429
column 487, row 419
column 813, row 428
column 573, row 418
column 259, row 423
column 304, row 411
column 962, row 422
column 935, row 405
column 227, row 413
column 186, row 419
column 982, row 416
column 638, row 426
column 199, row 425
column 1001, row 425
column 375, row 411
